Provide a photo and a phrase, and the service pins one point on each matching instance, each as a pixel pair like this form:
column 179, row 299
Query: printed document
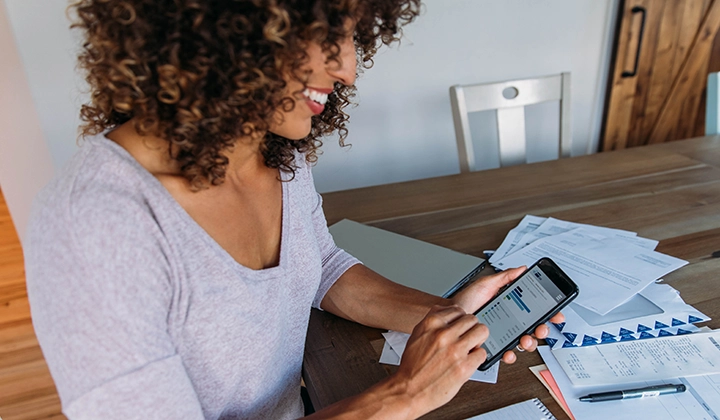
column 608, row 270
column 700, row 402
column 642, row 360
column 527, row 225
column 552, row 226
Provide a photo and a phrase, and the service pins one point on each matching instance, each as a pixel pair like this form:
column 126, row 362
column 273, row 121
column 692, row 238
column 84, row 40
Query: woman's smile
column 316, row 99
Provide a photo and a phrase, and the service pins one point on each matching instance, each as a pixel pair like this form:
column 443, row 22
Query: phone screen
column 517, row 308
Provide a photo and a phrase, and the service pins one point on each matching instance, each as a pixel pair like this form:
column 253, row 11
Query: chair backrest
column 712, row 119
column 509, row 100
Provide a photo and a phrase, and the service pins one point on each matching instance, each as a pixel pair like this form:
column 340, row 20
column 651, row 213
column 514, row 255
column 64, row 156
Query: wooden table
column 669, row 192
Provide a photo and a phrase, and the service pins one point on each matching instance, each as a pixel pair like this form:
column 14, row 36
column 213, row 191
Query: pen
column 650, row 391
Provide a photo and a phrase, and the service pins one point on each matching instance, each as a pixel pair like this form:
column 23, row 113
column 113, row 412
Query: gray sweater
column 142, row 315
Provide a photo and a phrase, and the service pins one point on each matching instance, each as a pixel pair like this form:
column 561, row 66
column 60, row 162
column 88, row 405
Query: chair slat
column 466, row 153
column 565, row 120
column 511, row 130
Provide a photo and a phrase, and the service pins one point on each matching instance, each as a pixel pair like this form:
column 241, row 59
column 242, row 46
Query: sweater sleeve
column 335, row 261
column 100, row 288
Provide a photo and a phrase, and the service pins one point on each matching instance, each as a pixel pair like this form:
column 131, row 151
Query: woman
column 172, row 265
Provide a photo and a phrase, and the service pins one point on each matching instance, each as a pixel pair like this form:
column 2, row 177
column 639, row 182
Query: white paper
column 388, row 355
column 645, row 243
column 609, row 271
column 552, row 226
column 397, row 341
column 705, row 389
column 528, row 224
column 644, row 360
column 682, row 406
column 394, row 347
column 656, row 307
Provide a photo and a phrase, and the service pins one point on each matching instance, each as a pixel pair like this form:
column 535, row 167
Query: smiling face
column 321, row 74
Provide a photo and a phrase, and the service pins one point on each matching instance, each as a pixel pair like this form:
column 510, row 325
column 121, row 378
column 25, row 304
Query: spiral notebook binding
column 548, row 415
column 531, row 408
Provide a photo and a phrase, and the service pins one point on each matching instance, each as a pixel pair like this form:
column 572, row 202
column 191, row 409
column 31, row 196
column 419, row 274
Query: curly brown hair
column 202, row 73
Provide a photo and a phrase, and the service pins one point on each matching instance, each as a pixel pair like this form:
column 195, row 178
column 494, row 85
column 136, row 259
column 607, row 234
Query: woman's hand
column 481, row 291
column 441, row 355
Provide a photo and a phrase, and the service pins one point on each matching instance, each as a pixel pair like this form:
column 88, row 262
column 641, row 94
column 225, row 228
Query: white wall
column 402, row 129
column 25, row 163
column 48, row 52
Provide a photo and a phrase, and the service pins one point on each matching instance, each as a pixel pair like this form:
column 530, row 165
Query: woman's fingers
column 484, row 289
column 528, row 343
column 542, row 331
column 475, row 335
column 466, row 330
column 452, row 325
column 440, row 316
column 558, row 318
column 503, row 278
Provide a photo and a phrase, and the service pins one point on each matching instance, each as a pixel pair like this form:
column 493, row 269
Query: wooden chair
column 712, row 117
column 509, row 100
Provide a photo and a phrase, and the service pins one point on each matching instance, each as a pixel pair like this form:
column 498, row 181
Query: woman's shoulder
column 98, row 177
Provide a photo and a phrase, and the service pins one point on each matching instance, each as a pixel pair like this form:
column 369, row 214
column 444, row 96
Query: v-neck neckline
column 201, row 233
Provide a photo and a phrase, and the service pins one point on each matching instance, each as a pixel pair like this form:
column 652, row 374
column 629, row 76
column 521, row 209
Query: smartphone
column 530, row 300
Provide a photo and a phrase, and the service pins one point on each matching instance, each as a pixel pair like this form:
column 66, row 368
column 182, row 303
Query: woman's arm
column 366, row 297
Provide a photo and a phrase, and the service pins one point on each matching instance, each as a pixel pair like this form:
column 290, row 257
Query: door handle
column 643, row 12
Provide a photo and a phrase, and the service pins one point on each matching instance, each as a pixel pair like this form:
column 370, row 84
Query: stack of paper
column 604, row 343
column 616, row 271
column 692, row 360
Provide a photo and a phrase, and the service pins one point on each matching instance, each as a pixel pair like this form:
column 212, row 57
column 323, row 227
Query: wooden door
column 661, row 59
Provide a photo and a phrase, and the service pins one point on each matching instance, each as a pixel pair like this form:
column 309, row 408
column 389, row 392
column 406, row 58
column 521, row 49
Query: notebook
column 410, row 262
column 532, row 409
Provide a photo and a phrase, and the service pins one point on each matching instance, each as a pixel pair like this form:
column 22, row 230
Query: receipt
column 642, row 360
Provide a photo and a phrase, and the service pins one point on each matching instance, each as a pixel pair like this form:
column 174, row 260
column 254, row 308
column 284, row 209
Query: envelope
column 656, row 307
column 556, row 340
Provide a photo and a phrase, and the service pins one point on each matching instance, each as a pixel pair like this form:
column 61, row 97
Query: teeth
column 318, row 97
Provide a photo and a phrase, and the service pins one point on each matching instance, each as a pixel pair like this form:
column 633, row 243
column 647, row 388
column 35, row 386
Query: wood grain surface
column 665, row 100
column 669, row 192
column 27, row 390
column 680, row 109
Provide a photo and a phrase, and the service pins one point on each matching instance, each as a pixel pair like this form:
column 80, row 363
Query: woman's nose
column 344, row 68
